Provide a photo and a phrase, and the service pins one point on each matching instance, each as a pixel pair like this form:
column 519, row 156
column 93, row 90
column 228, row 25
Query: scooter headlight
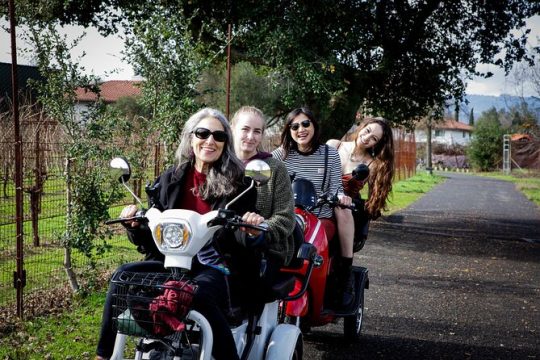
column 173, row 235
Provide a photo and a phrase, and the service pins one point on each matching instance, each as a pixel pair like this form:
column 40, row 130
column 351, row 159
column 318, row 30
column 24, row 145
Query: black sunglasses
column 305, row 124
column 202, row 133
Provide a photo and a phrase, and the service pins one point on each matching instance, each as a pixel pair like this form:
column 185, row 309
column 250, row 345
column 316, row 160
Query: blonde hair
column 251, row 110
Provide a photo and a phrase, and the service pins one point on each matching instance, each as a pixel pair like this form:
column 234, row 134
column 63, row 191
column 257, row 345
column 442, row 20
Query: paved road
column 454, row 276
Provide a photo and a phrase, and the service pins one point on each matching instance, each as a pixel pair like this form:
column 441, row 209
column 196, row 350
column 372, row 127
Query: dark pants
column 211, row 300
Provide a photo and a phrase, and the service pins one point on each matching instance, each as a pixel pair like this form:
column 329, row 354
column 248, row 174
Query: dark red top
column 191, row 199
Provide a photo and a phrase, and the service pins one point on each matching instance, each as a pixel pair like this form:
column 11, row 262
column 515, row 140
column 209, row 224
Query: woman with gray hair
column 206, row 177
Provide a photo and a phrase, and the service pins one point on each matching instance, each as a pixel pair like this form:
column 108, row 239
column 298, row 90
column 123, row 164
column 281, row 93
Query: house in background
column 111, row 91
column 449, row 132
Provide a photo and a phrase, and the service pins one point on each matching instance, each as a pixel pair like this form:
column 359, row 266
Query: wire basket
column 151, row 304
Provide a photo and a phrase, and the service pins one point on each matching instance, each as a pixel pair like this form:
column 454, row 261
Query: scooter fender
column 283, row 342
column 298, row 307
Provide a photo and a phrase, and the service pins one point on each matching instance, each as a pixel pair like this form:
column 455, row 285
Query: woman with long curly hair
column 373, row 146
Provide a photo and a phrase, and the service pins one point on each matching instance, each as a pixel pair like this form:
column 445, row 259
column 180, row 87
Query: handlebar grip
column 138, row 218
column 255, row 227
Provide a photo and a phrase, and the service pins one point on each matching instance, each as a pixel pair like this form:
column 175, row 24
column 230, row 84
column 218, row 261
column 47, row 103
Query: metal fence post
column 506, row 154
column 19, row 278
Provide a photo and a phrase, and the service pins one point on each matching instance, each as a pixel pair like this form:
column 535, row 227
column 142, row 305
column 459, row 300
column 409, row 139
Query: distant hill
column 481, row 103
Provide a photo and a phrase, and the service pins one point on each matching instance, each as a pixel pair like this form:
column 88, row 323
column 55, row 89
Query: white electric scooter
column 154, row 307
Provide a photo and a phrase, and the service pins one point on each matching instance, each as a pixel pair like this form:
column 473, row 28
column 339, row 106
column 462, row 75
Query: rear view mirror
column 361, row 172
column 259, row 171
column 120, row 169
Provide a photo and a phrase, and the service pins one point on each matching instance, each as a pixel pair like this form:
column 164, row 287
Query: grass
column 65, row 336
column 407, row 191
column 73, row 333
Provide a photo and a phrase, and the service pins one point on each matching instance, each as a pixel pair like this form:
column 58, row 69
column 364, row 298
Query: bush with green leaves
column 485, row 150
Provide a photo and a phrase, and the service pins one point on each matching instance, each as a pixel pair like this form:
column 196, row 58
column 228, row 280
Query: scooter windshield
column 305, row 195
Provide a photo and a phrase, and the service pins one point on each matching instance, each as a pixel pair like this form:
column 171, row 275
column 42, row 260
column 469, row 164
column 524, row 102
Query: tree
column 523, row 120
column 485, row 149
column 396, row 59
column 88, row 145
column 471, row 117
column 250, row 85
column 161, row 49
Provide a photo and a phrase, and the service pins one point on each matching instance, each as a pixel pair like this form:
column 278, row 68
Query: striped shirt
column 311, row 167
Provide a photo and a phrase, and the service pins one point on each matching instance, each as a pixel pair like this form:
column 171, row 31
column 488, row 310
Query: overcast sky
column 103, row 58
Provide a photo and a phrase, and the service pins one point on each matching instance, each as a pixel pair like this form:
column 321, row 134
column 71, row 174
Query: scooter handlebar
column 139, row 217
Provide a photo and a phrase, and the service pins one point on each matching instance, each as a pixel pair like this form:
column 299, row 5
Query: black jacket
column 169, row 186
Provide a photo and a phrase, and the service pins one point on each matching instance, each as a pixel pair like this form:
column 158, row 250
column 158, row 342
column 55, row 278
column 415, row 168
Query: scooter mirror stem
column 241, row 194
column 132, row 193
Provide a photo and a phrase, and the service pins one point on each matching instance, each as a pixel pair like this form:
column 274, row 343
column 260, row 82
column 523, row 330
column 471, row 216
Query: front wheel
column 298, row 349
column 352, row 324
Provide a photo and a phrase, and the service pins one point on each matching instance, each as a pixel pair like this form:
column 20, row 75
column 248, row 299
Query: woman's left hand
column 252, row 219
column 345, row 200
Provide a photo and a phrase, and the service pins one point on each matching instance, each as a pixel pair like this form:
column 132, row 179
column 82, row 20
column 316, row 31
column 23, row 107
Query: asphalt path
column 454, row 276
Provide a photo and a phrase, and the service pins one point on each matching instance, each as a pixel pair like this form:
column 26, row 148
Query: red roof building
column 111, row 91
column 450, row 124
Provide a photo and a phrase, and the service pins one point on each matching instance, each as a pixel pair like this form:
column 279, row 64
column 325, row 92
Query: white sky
column 103, row 59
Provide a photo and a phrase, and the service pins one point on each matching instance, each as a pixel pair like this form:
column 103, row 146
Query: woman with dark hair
column 306, row 157
column 206, row 177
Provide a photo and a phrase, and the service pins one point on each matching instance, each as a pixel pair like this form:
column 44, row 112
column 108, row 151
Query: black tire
column 298, row 348
column 352, row 324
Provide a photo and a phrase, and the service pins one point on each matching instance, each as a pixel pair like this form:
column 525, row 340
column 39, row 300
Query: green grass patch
column 407, row 191
column 71, row 335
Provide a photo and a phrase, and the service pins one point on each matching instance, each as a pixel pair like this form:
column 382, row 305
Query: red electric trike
column 313, row 307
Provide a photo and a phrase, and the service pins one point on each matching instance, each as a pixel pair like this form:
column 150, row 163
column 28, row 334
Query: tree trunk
column 72, row 277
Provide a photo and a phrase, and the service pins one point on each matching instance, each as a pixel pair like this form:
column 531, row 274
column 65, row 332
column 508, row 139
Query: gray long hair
column 226, row 174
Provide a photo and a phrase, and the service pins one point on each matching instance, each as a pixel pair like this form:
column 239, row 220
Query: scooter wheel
column 298, row 349
column 352, row 324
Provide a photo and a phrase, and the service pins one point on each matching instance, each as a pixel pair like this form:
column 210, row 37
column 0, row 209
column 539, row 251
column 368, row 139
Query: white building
column 449, row 132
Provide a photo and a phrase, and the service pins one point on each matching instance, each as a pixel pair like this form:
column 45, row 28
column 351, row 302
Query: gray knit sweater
column 276, row 204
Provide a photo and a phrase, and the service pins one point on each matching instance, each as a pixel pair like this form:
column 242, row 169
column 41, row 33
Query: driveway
column 454, row 276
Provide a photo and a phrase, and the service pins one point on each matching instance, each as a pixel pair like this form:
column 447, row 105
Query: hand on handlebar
column 252, row 219
column 128, row 212
column 345, row 200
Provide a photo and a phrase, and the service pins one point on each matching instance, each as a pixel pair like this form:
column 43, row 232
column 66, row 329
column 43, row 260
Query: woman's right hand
column 128, row 212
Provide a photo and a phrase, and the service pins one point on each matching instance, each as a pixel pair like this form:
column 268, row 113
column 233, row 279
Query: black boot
column 344, row 287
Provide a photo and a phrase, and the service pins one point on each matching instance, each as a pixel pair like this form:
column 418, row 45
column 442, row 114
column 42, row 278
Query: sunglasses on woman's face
column 305, row 124
column 202, row 133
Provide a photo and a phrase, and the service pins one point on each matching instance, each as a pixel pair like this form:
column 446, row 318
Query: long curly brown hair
column 381, row 169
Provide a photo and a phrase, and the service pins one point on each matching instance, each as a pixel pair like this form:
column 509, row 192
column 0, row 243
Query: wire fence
column 44, row 204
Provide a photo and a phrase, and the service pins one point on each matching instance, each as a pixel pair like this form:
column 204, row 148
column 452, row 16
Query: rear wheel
column 352, row 324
